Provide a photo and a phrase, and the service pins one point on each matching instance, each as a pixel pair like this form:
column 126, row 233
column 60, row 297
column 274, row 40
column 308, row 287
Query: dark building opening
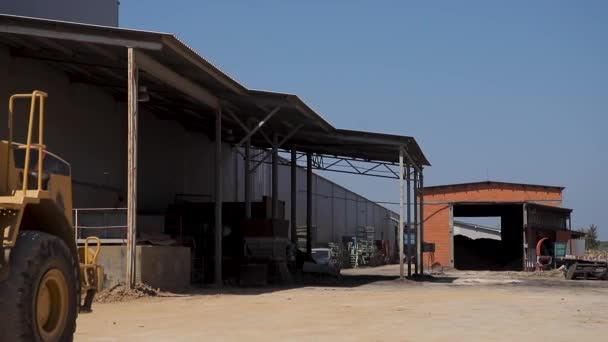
column 482, row 253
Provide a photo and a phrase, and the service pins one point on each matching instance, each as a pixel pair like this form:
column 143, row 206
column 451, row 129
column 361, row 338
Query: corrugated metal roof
column 97, row 55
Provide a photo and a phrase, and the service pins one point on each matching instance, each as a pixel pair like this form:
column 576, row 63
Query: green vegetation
column 591, row 240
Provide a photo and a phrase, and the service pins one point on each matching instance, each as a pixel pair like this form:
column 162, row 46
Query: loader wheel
column 39, row 300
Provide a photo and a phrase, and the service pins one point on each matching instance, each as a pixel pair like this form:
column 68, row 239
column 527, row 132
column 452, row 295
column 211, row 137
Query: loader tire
column 39, row 300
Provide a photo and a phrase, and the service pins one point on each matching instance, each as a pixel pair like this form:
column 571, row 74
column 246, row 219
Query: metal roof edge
column 298, row 104
column 476, row 226
column 75, row 23
column 184, row 50
column 489, row 183
column 56, row 29
column 109, row 35
column 387, row 139
column 548, row 207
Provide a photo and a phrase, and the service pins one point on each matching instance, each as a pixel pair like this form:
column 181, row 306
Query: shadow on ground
column 301, row 280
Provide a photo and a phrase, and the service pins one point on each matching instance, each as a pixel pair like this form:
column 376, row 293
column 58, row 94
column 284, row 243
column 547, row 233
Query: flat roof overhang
column 491, row 184
column 185, row 87
column 539, row 216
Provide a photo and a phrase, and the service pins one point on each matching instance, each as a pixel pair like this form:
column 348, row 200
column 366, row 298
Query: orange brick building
column 528, row 212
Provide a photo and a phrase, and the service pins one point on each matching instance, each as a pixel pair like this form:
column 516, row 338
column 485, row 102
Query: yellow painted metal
column 89, row 270
column 90, row 255
column 28, row 206
column 17, row 195
column 91, row 274
column 35, row 95
column 51, row 306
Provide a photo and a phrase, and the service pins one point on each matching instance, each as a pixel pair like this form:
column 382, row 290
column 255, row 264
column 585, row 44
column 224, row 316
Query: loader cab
column 55, row 179
column 52, row 165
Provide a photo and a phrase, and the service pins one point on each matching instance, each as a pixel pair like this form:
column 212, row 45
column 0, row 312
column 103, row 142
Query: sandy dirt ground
column 459, row 306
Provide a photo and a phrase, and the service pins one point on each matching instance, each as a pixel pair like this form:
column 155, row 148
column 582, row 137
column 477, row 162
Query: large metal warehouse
column 139, row 115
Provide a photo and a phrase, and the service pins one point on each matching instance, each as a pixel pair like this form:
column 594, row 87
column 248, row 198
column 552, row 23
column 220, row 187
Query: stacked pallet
column 301, row 233
column 362, row 249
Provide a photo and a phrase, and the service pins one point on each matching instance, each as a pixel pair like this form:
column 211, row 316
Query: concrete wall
column 98, row 12
column 163, row 267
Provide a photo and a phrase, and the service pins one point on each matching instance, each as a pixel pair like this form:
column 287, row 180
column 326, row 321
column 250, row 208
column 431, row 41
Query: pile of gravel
column 119, row 292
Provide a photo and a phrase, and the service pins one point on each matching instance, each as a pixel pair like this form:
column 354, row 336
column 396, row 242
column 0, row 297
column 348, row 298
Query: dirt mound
column 119, row 293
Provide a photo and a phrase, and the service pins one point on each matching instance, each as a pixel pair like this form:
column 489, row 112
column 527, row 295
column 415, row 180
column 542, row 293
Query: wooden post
column 132, row 112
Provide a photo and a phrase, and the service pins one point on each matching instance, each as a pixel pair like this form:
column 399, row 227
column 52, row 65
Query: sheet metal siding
column 475, row 233
column 94, row 144
column 172, row 160
column 336, row 211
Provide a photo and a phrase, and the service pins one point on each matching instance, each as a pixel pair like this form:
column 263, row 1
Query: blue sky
column 511, row 91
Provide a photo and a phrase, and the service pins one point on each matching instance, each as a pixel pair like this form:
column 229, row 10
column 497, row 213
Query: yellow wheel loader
column 41, row 277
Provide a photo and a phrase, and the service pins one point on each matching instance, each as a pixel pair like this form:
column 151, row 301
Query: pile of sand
column 556, row 273
column 596, row 255
column 119, row 293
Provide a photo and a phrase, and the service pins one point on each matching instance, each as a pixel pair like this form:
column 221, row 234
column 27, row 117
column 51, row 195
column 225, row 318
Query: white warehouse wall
column 165, row 169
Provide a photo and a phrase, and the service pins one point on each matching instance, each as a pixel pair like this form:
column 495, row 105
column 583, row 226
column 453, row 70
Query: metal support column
column 294, row 196
column 275, row 177
column 525, row 241
column 132, row 113
column 308, row 204
column 421, row 204
column 218, row 200
column 248, row 178
column 415, row 226
column 408, row 185
column 400, row 229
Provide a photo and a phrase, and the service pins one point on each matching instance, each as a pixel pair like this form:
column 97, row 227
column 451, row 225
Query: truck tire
column 39, row 300
column 571, row 271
